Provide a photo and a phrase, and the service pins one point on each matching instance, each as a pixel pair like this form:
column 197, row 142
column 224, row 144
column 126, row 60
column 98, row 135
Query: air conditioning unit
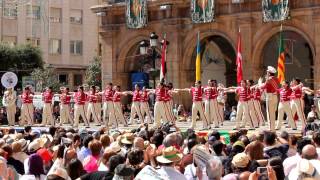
column 237, row 1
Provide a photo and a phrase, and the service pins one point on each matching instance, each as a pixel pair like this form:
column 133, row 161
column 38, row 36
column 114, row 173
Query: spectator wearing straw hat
column 19, row 147
column 170, row 156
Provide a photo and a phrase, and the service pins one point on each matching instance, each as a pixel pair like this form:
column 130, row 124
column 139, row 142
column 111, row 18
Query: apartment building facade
column 65, row 30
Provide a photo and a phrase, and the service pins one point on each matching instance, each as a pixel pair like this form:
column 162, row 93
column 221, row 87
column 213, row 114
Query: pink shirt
column 90, row 164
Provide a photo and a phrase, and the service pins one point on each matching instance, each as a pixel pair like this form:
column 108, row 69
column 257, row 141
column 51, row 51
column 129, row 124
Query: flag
column 163, row 69
column 239, row 60
column 198, row 60
column 281, row 58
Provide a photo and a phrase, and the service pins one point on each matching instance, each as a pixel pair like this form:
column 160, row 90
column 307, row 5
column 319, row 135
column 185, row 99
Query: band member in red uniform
column 271, row 87
column 168, row 99
column 65, row 98
column 107, row 96
column 297, row 101
column 256, row 91
column 221, row 99
column 252, row 111
column 98, row 104
column 27, row 106
column 135, row 106
column 47, row 118
column 159, row 107
column 211, row 104
column 144, row 104
column 117, row 115
column 9, row 101
column 197, row 105
column 80, row 99
column 284, row 106
column 242, row 109
column 92, row 98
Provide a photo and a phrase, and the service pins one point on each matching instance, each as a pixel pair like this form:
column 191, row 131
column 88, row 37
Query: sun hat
column 36, row 145
column 169, row 155
column 305, row 167
column 114, row 147
column 239, row 143
column 127, row 138
column 24, row 144
column 240, row 160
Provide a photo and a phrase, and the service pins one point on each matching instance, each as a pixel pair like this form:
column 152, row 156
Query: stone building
column 120, row 45
column 65, row 30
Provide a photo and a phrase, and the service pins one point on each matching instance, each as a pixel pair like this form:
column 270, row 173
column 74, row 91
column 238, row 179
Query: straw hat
column 24, row 144
column 114, row 147
column 169, row 155
column 304, row 166
column 127, row 138
column 240, row 160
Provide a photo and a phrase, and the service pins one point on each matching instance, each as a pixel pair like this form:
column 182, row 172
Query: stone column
column 316, row 59
column 107, row 57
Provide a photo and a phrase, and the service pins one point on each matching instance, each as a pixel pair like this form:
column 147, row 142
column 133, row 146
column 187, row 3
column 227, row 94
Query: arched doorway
column 299, row 57
column 217, row 60
column 137, row 63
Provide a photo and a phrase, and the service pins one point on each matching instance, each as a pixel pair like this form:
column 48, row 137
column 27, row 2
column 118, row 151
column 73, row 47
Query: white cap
column 271, row 69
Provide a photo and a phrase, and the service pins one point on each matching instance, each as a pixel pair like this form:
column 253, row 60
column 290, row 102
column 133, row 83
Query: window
column 76, row 16
column 34, row 41
column 11, row 40
column 55, row 15
column 10, row 10
column 76, row 47
column 77, row 79
column 33, row 11
column 55, row 46
column 63, row 79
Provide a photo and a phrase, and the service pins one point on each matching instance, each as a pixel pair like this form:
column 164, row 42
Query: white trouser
column 65, row 114
column 253, row 113
column 92, row 111
column 243, row 115
column 297, row 107
column 159, row 113
column 98, row 110
column 169, row 106
column 145, row 110
column 11, row 111
column 197, row 106
column 221, row 113
column 284, row 107
column 80, row 111
column 117, row 115
column 135, row 108
column 257, row 107
column 47, row 117
column 107, row 105
column 212, row 111
column 27, row 113
column 271, row 104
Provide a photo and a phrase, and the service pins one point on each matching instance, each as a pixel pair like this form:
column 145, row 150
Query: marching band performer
column 92, row 105
column 242, row 108
column 117, row 109
column 144, row 104
column 98, row 103
column 221, row 99
column 256, row 91
column 197, row 105
column 86, row 91
column 47, row 117
column 9, row 101
column 107, row 96
column 270, row 86
column 65, row 99
column 297, row 104
column 284, row 106
column 80, row 99
column 211, row 104
column 27, row 106
column 169, row 101
column 159, row 106
column 135, row 106
column 252, row 111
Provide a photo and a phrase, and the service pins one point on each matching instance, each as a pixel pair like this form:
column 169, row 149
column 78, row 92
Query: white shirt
column 190, row 173
column 32, row 177
column 290, row 163
column 169, row 173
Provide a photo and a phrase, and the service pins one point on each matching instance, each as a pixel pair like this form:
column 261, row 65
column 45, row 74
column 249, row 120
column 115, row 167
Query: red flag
column 239, row 60
column 163, row 69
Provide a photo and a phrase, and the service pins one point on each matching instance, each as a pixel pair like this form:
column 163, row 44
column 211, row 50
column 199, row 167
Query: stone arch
column 264, row 34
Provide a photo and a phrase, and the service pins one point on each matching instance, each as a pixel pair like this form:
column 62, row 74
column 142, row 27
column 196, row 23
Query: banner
column 136, row 13
column 275, row 10
column 202, row 11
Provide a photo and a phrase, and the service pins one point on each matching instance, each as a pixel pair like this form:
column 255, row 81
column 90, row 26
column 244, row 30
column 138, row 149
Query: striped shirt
column 108, row 95
column 196, row 93
column 116, row 96
column 296, row 92
column 285, row 94
column 243, row 93
column 271, row 85
column 160, row 94
column 144, row 96
column 211, row 93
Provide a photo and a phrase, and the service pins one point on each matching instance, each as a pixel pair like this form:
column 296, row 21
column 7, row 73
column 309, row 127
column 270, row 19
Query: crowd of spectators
column 165, row 153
